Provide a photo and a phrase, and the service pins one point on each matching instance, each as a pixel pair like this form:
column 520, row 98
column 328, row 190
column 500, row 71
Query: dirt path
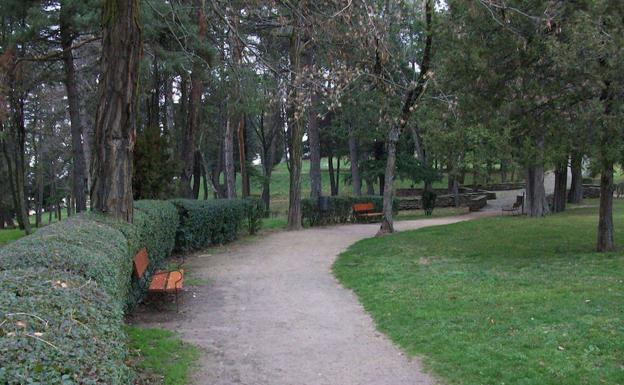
column 273, row 314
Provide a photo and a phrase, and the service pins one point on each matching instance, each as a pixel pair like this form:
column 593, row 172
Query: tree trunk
column 575, row 195
column 242, row 159
column 115, row 127
column 605, row 220
column 197, row 173
column 561, row 182
column 13, row 144
column 79, row 170
column 370, row 187
column 536, row 204
column 387, row 223
column 204, row 178
column 356, row 179
column 189, row 144
column 296, row 108
column 314, row 138
column 230, row 167
column 330, row 169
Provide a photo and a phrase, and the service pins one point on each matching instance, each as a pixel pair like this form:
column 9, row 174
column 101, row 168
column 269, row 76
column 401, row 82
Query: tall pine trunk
column 561, row 182
column 115, row 122
column 188, row 141
column 79, row 168
column 356, row 179
column 230, row 167
column 314, row 138
column 605, row 220
column 575, row 195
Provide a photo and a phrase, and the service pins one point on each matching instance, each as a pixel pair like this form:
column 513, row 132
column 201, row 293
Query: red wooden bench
column 164, row 282
column 365, row 211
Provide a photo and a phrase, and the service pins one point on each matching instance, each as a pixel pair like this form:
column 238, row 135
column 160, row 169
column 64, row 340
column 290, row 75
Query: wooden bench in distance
column 517, row 208
column 165, row 282
column 365, row 211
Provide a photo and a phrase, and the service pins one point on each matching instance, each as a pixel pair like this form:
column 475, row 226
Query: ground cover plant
column 498, row 300
column 161, row 356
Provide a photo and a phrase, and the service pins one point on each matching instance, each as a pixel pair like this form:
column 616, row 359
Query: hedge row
column 340, row 209
column 65, row 288
column 205, row 223
column 61, row 309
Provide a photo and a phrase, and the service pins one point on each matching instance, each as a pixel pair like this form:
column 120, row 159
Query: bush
column 214, row 222
column 340, row 209
column 78, row 245
column 157, row 223
column 59, row 328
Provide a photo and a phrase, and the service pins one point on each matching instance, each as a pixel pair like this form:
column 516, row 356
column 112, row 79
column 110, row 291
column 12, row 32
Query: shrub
column 77, row 245
column 339, row 210
column 255, row 212
column 59, row 328
column 157, row 223
column 154, row 226
column 204, row 223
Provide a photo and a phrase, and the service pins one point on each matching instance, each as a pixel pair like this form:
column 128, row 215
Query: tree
column 115, row 123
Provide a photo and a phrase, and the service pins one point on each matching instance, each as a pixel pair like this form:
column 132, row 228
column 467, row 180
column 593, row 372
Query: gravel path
column 273, row 314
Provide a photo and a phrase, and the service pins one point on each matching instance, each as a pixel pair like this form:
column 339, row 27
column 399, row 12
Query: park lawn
column 505, row 300
column 10, row 235
column 160, row 356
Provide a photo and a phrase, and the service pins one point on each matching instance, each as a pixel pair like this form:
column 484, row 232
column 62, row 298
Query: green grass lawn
column 10, row 235
column 505, row 300
column 160, row 356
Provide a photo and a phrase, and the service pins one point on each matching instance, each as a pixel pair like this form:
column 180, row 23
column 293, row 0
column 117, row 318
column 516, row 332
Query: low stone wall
column 502, row 186
column 445, row 200
column 591, row 191
column 477, row 203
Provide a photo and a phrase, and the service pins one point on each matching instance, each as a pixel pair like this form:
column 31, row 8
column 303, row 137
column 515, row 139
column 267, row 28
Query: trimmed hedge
column 340, row 209
column 78, row 245
column 65, row 288
column 214, row 222
column 63, row 293
column 59, row 328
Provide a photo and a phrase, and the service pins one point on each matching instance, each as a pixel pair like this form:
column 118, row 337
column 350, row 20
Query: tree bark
column 230, row 167
column 13, row 145
column 242, row 159
column 605, row 220
column 189, row 139
column 115, row 127
column 314, row 138
column 197, row 173
column 356, row 179
column 387, row 223
column 536, row 204
column 330, row 169
column 79, row 168
column 575, row 195
column 561, row 182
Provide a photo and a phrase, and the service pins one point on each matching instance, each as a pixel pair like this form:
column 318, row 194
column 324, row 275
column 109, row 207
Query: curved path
column 271, row 313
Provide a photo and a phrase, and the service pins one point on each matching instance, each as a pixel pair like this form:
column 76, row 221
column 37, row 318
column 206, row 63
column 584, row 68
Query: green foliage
column 154, row 167
column 78, row 245
column 59, row 328
column 255, row 212
column 428, row 201
column 163, row 354
column 478, row 298
column 340, row 209
column 205, row 223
